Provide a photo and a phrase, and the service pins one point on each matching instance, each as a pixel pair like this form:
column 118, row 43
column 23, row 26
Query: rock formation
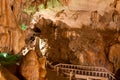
column 114, row 56
column 5, row 74
column 13, row 37
column 33, row 67
column 84, row 32
column 86, row 46
column 30, row 66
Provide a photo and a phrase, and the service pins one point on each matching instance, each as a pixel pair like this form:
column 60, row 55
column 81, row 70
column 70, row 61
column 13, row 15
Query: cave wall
column 12, row 37
column 79, row 34
column 84, row 32
column 83, row 46
column 90, row 5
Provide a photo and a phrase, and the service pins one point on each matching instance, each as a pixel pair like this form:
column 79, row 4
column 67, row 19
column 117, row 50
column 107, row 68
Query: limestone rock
column 18, row 40
column 33, row 68
column 118, row 6
column 42, row 71
column 6, row 75
column 114, row 56
column 4, row 42
column 24, row 18
column 56, row 37
column 91, row 5
column 119, row 38
column 17, row 8
column 6, row 16
column 88, row 49
column 10, row 28
column 30, row 66
column 65, row 2
column 74, row 45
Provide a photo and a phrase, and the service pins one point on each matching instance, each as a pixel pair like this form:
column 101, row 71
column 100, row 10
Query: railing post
column 82, row 70
column 57, row 71
column 88, row 78
column 71, row 75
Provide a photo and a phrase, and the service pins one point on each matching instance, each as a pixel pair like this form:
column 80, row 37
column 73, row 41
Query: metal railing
column 85, row 71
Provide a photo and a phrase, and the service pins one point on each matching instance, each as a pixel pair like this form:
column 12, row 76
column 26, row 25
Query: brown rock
column 90, row 5
column 119, row 38
column 6, row 75
column 11, row 40
column 17, row 40
column 114, row 56
column 84, row 46
column 118, row 6
column 6, row 16
column 17, row 8
column 4, row 42
column 43, row 71
column 30, row 66
column 88, row 49
column 10, row 28
column 25, row 18
column 65, row 2
column 76, row 46
column 33, row 68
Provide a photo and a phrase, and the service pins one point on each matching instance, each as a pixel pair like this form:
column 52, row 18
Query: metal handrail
column 85, row 70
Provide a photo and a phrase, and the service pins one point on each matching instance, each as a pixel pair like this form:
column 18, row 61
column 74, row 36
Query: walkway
column 84, row 72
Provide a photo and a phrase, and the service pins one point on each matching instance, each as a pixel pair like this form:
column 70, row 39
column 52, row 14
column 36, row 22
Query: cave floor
column 52, row 75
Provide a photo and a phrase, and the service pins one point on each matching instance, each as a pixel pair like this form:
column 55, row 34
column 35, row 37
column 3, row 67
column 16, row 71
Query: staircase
column 84, row 72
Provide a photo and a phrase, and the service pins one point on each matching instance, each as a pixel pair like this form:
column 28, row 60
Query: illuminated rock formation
column 12, row 38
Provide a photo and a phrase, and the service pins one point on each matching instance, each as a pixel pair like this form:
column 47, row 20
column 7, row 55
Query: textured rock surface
column 12, row 37
column 69, row 39
column 52, row 33
column 114, row 56
column 32, row 67
column 6, row 15
column 87, row 47
column 90, row 5
column 83, row 32
column 90, row 13
column 42, row 68
column 118, row 6
column 84, row 46
column 5, row 74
